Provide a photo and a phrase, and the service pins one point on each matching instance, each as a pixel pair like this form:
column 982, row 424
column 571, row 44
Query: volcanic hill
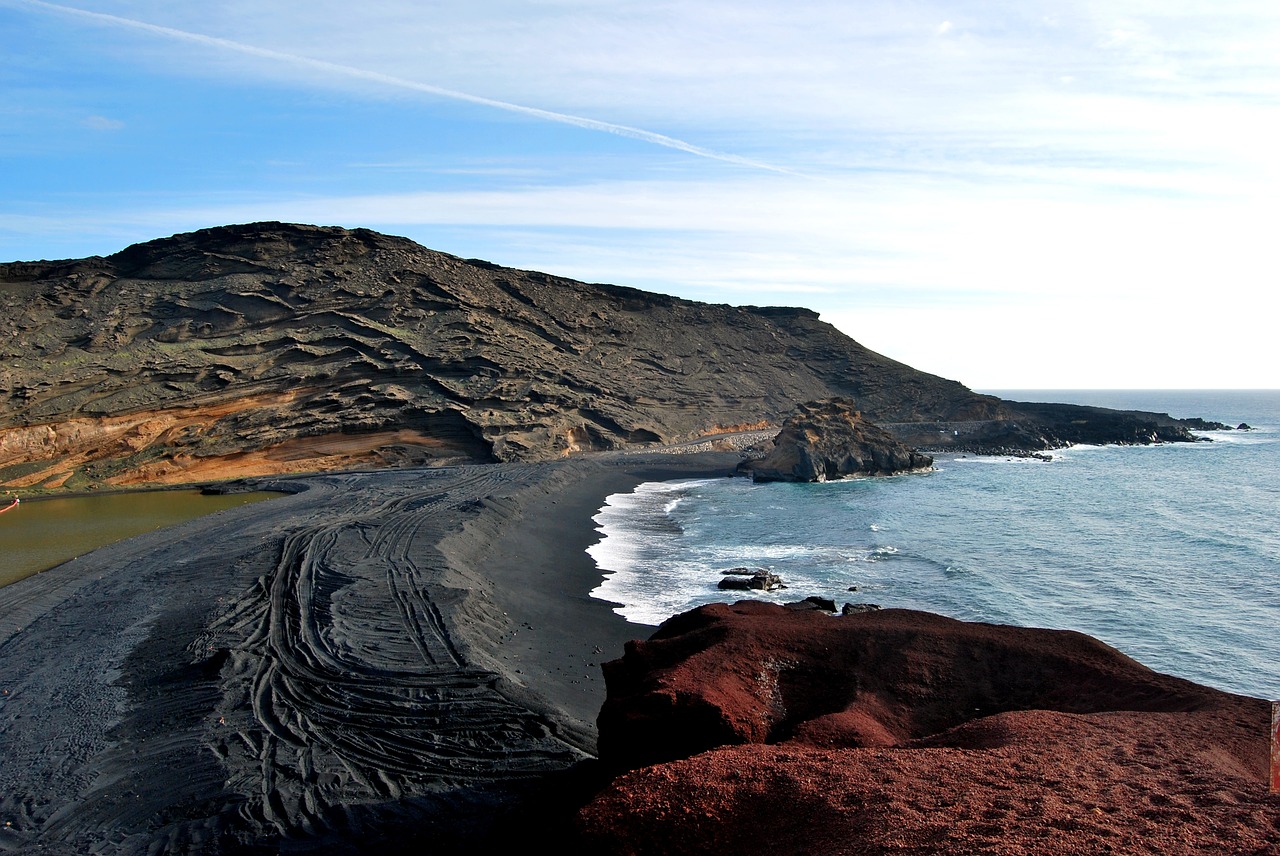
column 271, row 348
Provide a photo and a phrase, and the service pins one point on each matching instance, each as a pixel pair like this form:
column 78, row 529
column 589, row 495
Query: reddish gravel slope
column 903, row 732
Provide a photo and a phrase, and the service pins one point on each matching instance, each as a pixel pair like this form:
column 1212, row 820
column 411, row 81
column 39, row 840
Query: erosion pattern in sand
column 311, row 668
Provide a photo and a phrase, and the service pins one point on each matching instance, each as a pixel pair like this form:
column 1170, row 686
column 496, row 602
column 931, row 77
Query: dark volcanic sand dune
column 310, row 671
column 903, row 732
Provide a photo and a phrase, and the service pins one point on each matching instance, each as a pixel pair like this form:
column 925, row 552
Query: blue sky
column 1011, row 194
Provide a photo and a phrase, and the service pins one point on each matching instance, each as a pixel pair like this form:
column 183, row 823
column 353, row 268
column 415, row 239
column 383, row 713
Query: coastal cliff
column 275, row 348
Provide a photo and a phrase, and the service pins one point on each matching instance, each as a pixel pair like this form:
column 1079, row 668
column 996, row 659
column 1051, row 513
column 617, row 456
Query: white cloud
column 1091, row 167
column 332, row 69
column 102, row 123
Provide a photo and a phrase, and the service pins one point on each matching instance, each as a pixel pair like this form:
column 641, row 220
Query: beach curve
column 381, row 656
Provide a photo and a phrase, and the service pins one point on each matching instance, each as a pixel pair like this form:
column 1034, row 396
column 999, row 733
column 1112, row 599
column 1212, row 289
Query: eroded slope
column 277, row 347
column 271, row 348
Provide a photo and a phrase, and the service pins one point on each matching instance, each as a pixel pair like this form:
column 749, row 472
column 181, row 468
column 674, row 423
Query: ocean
column 1170, row 553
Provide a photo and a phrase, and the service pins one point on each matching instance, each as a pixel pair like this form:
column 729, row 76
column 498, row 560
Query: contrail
column 403, row 83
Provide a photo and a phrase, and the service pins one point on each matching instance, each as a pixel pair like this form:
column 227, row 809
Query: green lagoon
column 41, row 534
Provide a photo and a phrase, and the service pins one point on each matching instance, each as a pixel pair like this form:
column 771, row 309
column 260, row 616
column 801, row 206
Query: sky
column 1014, row 194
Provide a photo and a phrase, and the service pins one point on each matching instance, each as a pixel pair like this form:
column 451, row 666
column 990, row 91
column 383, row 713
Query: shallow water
column 41, row 534
column 1171, row 553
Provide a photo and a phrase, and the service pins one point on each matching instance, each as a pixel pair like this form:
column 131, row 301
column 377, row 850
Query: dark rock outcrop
column 814, row 602
column 1033, row 426
column 900, row 731
column 830, row 439
column 746, row 579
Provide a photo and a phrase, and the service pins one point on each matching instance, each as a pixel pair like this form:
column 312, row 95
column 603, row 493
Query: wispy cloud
column 102, row 123
column 981, row 176
column 405, row 84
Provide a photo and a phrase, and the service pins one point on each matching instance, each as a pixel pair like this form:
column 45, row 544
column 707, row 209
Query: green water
column 37, row 535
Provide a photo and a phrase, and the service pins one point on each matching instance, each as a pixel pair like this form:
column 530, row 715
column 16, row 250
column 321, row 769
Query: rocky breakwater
column 751, row 728
column 830, row 439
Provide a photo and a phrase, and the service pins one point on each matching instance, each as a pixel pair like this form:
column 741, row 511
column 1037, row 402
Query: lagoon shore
column 378, row 660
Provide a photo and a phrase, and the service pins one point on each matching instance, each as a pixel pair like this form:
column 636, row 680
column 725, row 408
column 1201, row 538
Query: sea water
column 1171, row 552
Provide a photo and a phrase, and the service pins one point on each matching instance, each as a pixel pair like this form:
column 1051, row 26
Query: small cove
column 1168, row 552
column 43, row 533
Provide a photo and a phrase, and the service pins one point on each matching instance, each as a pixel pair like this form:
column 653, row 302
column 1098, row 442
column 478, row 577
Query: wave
column 1151, row 549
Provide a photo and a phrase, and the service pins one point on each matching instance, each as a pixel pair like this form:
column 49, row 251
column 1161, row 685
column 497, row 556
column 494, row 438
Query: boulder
column 746, row 579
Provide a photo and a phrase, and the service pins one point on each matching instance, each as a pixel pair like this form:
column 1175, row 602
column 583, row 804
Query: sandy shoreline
column 382, row 658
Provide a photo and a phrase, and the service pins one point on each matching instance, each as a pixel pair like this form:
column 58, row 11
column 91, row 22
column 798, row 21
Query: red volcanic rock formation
column 774, row 731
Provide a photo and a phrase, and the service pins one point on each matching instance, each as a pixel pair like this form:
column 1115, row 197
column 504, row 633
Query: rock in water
column 830, row 439
column 743, row 579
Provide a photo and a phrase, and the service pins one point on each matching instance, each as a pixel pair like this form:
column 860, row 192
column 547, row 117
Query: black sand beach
column 379, row 661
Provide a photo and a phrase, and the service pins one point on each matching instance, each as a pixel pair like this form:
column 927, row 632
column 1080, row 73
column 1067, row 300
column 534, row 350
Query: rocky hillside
column 275, row 348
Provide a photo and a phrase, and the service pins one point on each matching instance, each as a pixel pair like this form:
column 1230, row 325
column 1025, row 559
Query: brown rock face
column 773, row 731
column 829, row 440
